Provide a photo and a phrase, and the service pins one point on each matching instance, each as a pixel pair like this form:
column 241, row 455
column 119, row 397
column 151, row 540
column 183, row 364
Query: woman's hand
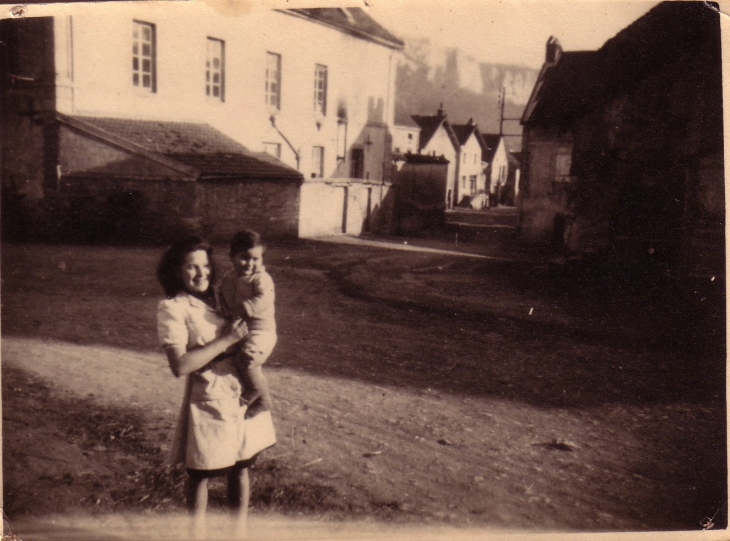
column 238, row 330
column 183, row 361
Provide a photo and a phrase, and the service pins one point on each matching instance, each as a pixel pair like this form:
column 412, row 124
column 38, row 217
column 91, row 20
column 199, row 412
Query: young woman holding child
column 213, row 435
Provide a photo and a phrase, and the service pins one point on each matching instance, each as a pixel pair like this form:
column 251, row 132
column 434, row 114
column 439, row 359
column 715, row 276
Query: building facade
column 624, row 145
column 323, row 109
column 470, row 174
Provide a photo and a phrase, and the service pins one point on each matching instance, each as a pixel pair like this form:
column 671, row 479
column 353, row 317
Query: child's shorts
column 258, row 347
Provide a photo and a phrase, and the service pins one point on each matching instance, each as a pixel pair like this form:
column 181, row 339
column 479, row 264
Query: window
column 143, row 56
column 317, row 162
column 273, row 80
column 320, row 89
column 473, row 183
column 475, row 159
column 215, row 69
column 357, row 157
column 562, row 167
column 274, row 149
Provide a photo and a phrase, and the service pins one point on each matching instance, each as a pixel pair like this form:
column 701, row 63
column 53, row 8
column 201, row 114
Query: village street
column 412, row 389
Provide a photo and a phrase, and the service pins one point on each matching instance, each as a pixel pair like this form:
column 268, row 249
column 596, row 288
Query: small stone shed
column 162, row 179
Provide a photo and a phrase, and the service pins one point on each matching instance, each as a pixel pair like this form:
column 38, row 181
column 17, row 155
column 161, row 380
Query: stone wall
column 152, row 211
column 346, row 206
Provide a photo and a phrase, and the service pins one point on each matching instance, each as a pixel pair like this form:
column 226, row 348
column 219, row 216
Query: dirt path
column 383, row 412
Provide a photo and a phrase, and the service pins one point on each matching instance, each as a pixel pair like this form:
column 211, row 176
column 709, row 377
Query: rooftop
column 352, row 20
column 199, row 146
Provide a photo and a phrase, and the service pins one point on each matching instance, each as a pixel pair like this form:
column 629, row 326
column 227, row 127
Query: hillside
column 429, row 75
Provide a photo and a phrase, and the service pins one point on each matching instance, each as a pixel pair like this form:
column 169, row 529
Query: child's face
column 248, row 261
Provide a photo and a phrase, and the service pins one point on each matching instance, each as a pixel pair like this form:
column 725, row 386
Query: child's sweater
column 251, row 298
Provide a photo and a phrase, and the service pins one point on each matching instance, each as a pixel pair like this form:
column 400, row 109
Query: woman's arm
column 184, row 362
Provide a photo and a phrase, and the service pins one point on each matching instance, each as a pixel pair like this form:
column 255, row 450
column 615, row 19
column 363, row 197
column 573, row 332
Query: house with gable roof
column 462, row 145
column 187, row 109
column 470, row 176
column 502, row 170
column 406, row 134
column 437, row 138
column 623, row 146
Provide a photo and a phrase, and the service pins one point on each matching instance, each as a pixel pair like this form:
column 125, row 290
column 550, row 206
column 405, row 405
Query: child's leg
column 251, row 357
column 252, row 378
column 258, row 389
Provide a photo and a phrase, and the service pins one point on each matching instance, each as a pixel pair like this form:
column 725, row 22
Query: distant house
column 462, row 145
column 406, row 134
column 623, row 147
column 511, row 193
column 322, row 112
column 470, row 176
column 437, row 138
column 496, row 156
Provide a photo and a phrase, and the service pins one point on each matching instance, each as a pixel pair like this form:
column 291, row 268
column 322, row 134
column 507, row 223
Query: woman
column 212, row 436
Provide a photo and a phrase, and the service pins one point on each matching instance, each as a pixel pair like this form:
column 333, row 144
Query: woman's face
column 195, row 272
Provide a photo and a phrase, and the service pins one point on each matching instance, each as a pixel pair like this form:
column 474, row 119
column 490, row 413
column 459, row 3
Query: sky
column 494, row 31
column 509, row 31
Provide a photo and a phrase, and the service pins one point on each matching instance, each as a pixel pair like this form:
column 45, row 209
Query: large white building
column 314, row 88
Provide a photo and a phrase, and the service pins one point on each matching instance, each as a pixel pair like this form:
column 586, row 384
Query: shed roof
column 422, row 158
column 197, row 147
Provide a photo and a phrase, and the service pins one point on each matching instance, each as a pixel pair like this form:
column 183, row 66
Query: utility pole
column 501, row 110
column 502, row 99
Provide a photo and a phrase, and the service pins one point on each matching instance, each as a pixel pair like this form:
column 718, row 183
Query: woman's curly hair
column 168, row 271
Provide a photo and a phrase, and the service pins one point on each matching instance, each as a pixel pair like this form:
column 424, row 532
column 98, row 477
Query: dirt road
column 391, row 406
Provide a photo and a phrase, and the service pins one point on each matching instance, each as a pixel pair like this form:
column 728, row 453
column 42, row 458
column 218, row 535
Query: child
column 248, row 292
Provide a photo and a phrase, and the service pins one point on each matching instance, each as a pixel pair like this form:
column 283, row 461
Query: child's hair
column 168, row 271
column 245, row 240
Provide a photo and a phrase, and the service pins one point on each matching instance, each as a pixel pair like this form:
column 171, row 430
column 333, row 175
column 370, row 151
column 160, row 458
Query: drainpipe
column 387, row 160
column 272, row 118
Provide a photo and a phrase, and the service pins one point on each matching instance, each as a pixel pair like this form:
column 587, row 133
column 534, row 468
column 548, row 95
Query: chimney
column 440, row 111
column 553, row 50
column 470, row 123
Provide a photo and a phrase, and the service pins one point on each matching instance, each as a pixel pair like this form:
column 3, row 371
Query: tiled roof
column 492, row 142
column 198, row 146
column 668, row 31
column 582, row 79
column 565, row 89
column 429, row 124
column 463, row 132
column 353, row 21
